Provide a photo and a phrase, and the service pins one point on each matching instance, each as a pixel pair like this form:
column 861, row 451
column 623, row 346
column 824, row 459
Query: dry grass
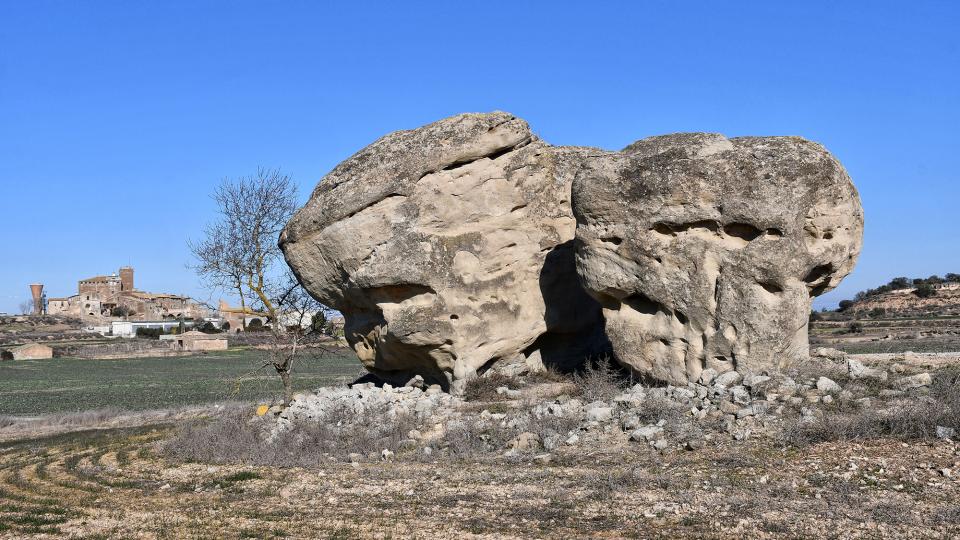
column 550, row 374
column 911, row 420
column 112, row 484
column 235, row 437
column 600, row 380
column 72, row 419
column 465, row 443
column 484, row 388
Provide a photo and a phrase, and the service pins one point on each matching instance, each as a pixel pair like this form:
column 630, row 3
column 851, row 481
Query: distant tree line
column 206, row 327
column 923, row 287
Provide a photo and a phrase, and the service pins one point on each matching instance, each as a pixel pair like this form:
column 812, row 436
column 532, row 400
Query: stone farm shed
column 30, row 351
column 198, row 341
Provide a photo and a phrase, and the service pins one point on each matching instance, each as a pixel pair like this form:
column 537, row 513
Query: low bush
column 207, row 328
column 600, row 380
column 484, row 388
column 925, row 291
column 237, row 437
column 916, row 419
column 241, row 476
column 149, row 333
column 467, row 442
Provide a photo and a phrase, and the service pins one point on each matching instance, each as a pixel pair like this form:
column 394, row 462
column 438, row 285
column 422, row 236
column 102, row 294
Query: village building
column 197, row 341
column 947, row 286
column 128, row 329
column 234, row 318
column 30, row 351
column 113, row 297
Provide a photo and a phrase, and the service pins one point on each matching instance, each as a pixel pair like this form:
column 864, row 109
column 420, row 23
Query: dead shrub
column 467, row 442
column 236, row 437
column 655, row 409
column 603, row 483
column 549, row 425
column 230, row 437
column 550, row 374
column 484, row 388
column 815, row 367
column 913, row 420
column 600, row 380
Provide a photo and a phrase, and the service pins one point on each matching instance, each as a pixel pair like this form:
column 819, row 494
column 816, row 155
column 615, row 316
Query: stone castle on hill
column 101, row 298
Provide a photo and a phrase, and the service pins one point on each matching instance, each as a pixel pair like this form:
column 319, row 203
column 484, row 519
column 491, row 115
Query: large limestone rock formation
column 705, row 251
column 448, row 248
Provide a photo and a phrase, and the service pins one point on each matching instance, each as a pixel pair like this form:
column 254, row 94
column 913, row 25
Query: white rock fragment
column 646, row 433
column 828, row 386
column 914, row 381
column 727, row 379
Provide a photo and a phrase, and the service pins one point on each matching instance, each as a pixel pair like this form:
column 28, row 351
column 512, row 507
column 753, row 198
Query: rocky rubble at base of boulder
column 365, row 399
column 719, row 407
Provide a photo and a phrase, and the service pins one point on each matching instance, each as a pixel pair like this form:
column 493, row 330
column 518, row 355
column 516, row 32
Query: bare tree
column 239, row 252
column 257, row 208
column 294, row 336
column 26, row 307
column 220, row 260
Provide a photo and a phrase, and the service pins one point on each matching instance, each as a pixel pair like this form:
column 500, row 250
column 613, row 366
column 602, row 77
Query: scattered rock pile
column 360, row 401
column 718, row 407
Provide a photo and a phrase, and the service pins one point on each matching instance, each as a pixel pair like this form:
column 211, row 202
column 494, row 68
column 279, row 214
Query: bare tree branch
column 239, row 252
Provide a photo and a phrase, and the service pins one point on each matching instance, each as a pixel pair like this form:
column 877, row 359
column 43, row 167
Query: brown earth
column 114, row 484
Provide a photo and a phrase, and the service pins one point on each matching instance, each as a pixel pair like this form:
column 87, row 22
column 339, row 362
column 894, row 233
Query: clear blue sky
column 116, row 118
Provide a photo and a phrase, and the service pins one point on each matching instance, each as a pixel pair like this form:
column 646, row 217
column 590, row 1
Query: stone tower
column 126, row 278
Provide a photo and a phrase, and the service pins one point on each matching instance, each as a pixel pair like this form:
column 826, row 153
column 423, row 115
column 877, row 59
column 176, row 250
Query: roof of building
column 196, row 334
column 100, row 278
column 155, row 296
column 26, row 346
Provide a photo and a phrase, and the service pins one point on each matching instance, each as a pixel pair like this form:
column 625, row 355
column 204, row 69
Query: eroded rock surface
column 705, row 252
column 448, row 248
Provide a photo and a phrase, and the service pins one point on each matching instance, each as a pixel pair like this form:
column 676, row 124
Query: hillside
column 905, row 297
column 945, row 301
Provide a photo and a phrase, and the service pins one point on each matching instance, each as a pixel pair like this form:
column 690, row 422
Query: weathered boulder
column 449, row 248
column 705, row 251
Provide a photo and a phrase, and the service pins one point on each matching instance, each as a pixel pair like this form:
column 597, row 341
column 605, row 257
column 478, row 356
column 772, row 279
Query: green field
column 32, row 387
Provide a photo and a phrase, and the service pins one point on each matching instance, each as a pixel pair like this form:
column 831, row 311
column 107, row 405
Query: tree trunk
column 243, row 309
column 287, row 386
column 267, row 304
